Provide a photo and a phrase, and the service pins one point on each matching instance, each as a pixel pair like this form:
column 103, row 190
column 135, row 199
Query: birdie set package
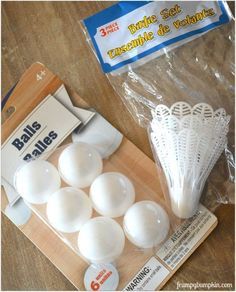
column 172, row 64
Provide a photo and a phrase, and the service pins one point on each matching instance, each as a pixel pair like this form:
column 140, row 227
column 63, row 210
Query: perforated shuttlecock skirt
column 188, row 141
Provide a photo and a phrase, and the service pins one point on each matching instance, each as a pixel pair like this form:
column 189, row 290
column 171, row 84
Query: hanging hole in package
column 91, row 186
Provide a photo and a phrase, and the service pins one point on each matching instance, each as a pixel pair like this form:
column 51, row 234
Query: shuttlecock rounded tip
column 184, row 201
column 183, row 213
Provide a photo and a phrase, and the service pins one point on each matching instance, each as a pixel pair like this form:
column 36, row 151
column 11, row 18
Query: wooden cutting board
column 35, row 84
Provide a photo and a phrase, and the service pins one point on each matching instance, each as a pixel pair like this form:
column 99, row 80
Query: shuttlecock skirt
column 187, row 141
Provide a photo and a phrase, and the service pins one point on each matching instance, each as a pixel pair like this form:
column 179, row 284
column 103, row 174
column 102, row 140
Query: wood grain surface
column 49, row 32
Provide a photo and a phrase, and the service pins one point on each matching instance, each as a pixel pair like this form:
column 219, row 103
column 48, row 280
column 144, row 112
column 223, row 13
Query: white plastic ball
column 79, row 164
column 112, row 193
column 36, row 181
column 68, row 209
column 146, row 224
column 101, row 240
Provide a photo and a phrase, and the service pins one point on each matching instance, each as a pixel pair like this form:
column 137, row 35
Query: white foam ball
column 36, row 180
column 101, row 240
column 68, row 209
column 79, row 164
column 146, row 224
column 112, row 193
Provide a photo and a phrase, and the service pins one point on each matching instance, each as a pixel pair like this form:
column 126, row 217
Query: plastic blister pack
column 100, row 208
column 110, row 213
column 179, row 84
column 74, row 185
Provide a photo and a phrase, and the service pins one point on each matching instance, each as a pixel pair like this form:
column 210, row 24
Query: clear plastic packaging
column 69, row 217
column 199, row 72
column 135, row 235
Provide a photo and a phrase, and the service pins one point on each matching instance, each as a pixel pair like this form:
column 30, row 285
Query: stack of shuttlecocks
column 188, row 142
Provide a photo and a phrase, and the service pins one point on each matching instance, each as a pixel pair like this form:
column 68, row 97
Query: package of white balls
column 172, row 63
column 92, row 203
column 86, row 196
column 103, row 212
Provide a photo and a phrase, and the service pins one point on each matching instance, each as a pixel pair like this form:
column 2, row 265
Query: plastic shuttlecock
column 188, row 141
